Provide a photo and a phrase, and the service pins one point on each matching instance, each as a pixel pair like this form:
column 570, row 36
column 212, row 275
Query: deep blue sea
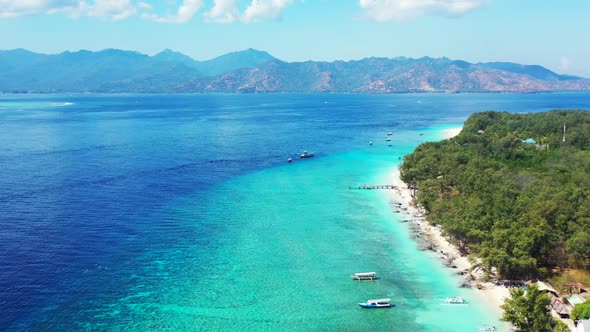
column 180, row 213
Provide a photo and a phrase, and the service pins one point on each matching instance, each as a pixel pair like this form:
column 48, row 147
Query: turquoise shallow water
column 302, row 232
column 289, row 237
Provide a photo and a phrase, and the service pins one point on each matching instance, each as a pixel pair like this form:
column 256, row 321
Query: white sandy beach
column 451, row 132
column 492, row 293
column 489, row 292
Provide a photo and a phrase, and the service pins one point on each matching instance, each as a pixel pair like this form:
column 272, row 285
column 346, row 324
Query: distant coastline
column 254, row 71
column 43, row 93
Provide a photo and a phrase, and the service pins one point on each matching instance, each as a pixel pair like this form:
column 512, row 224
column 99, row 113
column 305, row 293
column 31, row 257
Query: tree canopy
column 523, row 207
column 581, row 311
column 528, row 311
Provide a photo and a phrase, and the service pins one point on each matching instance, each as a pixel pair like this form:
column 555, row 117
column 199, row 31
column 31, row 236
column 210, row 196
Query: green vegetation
column 528, row 311
column 560, row 326
column 562, row 281
column 523, row 208
column 581, row 311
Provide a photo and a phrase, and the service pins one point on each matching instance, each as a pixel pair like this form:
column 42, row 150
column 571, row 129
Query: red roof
column 576, row 284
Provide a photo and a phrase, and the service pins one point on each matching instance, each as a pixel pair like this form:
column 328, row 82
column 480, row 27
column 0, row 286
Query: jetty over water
column 374, row 186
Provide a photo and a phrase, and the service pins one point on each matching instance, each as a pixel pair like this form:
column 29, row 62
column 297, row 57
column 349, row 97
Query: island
column 513, row 192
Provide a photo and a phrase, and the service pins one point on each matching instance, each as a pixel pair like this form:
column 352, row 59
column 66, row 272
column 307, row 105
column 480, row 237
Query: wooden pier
column 373, row 186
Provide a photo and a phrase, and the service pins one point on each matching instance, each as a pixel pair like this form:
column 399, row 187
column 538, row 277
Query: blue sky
column 550, row 33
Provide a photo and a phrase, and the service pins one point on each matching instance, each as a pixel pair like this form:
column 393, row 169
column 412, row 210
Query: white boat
column 306, row 154
column 389, row 133
column 388, row 139
column 290, row 160
column 364, row 276
column 455, row 300
column 378, row 303
column 371, row 143
column 487, row 328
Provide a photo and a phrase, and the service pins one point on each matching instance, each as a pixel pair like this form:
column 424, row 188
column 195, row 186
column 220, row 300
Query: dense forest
column 510, row 190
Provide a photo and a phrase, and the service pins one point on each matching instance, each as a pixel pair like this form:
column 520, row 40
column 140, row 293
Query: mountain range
column 253, row 71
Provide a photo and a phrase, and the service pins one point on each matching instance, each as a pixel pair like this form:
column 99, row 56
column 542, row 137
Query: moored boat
column 306, row 154
column 364, row 276
column 487, row 328
column 455, row 300
column 378, row 303
column 388, row 139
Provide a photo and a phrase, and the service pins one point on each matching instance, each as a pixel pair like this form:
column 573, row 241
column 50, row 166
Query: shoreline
column 431, row 238
column 446, row 251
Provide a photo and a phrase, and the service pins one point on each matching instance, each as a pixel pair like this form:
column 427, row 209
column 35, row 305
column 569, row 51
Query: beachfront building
column 583, row 326
column 576, row 299
column 562, row 309
column 545, row 287
column 559, row 307
column 577, row 288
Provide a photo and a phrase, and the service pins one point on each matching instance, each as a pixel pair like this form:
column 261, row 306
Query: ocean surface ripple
column 179, row 212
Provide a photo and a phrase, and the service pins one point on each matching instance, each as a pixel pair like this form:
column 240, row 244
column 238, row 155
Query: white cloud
column 114, row 9
column 262, row 10
column 224, row 11
column 564, row 63
column 14, row 8
column 185, row 13
column 144, row 5
column 401, row 10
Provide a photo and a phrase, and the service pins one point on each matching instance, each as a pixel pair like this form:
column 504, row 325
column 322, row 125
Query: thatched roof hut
column 562, row 309
column 577, row 288
column 545, row 287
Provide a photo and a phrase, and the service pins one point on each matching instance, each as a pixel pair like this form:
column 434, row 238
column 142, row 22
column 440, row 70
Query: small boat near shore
column 388, row 139
column 378, row 303
column 306, row 154
column 455, row 300
column 364, row 276
column 487, row 328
